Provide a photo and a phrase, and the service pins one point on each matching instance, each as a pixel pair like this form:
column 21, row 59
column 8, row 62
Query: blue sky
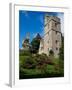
column 33, row 22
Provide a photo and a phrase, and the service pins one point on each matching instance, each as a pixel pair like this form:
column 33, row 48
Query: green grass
column 36, row 66
column 50, row 68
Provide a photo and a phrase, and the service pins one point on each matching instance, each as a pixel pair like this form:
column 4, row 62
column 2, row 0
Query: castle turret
column 25, row 42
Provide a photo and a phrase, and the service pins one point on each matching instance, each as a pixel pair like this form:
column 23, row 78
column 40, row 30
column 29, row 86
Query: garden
column 39, row 66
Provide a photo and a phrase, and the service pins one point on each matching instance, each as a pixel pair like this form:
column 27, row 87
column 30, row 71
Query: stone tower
column 25, row 42
column 52, row 35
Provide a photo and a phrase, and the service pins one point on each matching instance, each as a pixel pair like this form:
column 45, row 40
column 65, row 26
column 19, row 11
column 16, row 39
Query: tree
column 35, row 44
column 61, row 53
column 61, row 57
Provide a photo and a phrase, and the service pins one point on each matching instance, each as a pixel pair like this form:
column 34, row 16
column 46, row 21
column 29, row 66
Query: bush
column 61, row 53
column 28, row 62
column 51, row 53
column 25, row 53
column 40, row 65
column 50, row 68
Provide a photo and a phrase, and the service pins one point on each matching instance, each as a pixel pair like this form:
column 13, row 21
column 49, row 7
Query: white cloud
column 25, row 13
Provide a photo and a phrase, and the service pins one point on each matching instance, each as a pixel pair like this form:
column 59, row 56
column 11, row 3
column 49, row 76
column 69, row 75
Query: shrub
column 61, row 51
column 28, row 62
column 50, row 68
column 51, row 53
column 25, row 53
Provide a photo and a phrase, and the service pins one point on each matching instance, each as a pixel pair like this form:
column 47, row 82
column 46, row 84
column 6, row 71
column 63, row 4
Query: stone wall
column 52, row 36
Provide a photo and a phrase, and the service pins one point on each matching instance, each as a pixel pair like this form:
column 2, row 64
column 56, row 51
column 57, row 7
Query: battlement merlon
column 54, row 18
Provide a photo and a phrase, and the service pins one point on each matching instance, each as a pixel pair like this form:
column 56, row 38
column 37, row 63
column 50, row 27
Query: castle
column 51, row 39
column 25, row 42
column 52, row 35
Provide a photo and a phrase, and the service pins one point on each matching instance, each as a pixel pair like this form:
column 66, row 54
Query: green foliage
column 28, row 62
column 39, row 65
column 35, row 44
column 61, row 53
column 24, row 53
column 50, row 68
column 51, row 53
column 61, row 57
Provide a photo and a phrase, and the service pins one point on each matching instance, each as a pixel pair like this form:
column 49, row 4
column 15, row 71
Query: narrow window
column 56, row 48
column 56, row 32
column 56, row 41
column 48, row 33
column 55, row 24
